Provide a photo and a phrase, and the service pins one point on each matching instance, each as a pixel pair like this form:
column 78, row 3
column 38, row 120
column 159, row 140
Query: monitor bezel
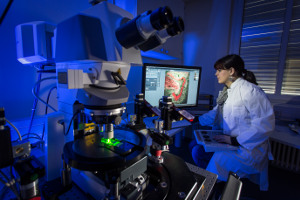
column 145, row 65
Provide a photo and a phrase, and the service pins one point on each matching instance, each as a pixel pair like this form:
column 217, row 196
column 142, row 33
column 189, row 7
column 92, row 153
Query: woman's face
column 223, row 76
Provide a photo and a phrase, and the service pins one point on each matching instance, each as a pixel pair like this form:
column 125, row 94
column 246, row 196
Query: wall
column 207, row 37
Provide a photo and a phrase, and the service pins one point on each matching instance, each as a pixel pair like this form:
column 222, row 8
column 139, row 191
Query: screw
column 163, row 184
column 181, row 195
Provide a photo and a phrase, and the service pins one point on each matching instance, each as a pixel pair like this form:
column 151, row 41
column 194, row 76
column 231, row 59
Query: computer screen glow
column 179, row 82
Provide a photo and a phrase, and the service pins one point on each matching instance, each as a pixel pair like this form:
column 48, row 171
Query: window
column 270, row 44
column 291, row 77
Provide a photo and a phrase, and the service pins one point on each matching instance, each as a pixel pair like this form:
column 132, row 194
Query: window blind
column 291, row 77
column 263, row 22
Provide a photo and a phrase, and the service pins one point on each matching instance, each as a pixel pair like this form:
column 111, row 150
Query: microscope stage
column 93, row 152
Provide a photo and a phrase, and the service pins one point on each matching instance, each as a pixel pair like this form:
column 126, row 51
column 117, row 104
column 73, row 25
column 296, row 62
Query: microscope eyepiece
column 176, row 27
column 161, row 17
column 141, row 28
column 160, row 37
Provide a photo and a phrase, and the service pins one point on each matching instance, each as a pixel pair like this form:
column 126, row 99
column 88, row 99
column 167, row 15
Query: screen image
column 179, row 82
column 176, row 86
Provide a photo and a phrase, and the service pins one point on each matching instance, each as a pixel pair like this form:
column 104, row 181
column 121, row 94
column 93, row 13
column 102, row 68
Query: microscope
column 94, row 51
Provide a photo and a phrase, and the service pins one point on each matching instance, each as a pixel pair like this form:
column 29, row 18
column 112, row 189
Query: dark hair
column 236, row 62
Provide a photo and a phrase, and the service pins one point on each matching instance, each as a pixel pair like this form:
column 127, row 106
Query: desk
column 209, row 183
column 286, row 136
column 285, row 146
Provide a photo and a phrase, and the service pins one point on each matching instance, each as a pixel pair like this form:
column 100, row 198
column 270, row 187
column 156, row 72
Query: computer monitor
column 178, row 81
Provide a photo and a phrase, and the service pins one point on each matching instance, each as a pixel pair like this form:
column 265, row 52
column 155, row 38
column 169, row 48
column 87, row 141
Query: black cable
column 11, row 173
column 27, row 134
column 2, row 181
column 13, row 189
column 4, row 175
column 47, row 71
column 66, row 133
column 5, row 11
column 48, row 97
column 3, row 192
column 46, row 110
column 12, row 176
column 35, row 102
column 37, row 96
column 32, row 137
column 32, row 134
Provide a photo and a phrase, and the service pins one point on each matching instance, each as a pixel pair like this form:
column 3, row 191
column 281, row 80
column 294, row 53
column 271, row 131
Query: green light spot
column 81, row 126
column 34, row 177
column 111, row 142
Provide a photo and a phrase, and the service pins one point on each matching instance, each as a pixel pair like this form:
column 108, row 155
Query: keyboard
column 205, row 138
column 195, row 111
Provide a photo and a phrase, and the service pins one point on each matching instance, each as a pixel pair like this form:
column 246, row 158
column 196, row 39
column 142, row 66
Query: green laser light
column 110, row 142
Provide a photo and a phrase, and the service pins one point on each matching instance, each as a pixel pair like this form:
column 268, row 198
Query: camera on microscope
column 149, row 29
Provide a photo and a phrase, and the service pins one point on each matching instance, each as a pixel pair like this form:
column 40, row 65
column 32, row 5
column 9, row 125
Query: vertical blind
column 263, row 24
column 291, row 77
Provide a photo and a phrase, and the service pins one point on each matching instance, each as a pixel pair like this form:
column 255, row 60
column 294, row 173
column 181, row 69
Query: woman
column 246, row 117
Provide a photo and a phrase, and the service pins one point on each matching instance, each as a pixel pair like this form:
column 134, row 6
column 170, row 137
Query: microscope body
column 94, row 51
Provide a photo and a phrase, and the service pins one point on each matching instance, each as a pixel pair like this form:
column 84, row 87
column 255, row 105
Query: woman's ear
column 232, row 71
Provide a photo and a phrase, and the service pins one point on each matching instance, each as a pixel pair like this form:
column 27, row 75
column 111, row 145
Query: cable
column 11, row 173
column 47, row 71
column 9, row 184
column 3, row 192
column 46, row 110
column 12, row 176
column 36, row 135
column 2, row 181
column 48, row 97
column 40, row 69
column 5, row 11
column 20, row 137
column 32, row 137
column 15, row 191
column 4, row 175
column 35, row 95
column 66, row 133
column 35, row 101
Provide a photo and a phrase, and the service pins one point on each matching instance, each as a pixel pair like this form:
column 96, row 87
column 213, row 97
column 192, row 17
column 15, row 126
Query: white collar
column 235, row 83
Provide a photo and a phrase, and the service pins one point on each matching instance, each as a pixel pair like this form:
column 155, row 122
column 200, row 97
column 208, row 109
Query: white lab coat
column 247, row 115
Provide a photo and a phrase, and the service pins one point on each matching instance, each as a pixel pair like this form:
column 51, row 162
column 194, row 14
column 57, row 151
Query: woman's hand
column 223, row 139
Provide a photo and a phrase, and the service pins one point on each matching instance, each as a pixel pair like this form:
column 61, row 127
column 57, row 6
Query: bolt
column 181, row 195
column 163, row 184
